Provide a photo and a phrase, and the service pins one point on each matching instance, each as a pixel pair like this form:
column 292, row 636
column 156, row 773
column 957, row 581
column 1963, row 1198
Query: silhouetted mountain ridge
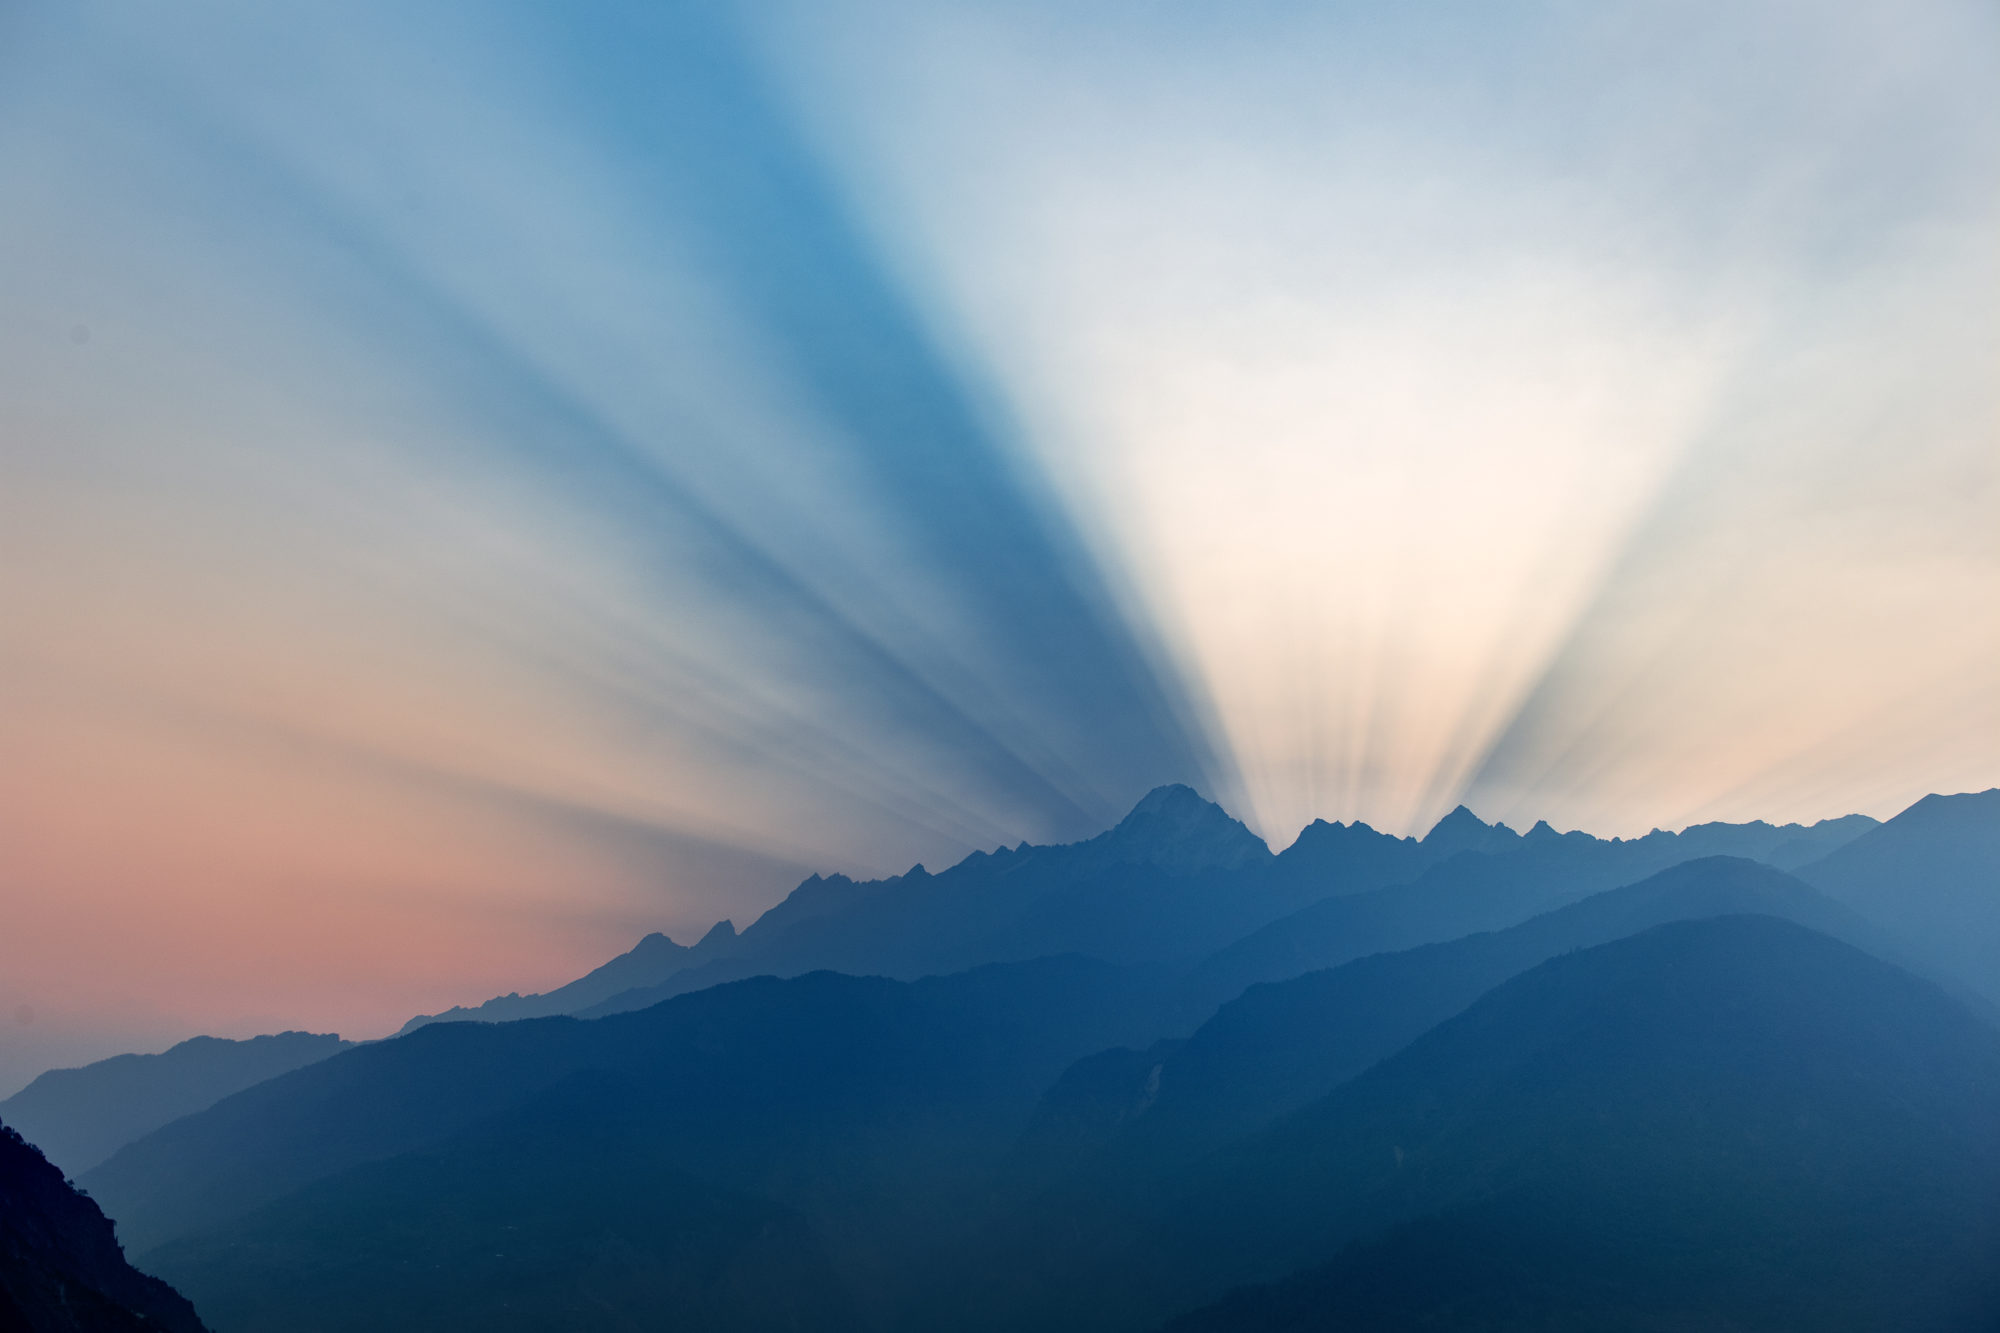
column 1463, row 831
column 1179, row 878
column 1472, row 890
column 651, row 961
column 79, row 1117
column 1175, row 830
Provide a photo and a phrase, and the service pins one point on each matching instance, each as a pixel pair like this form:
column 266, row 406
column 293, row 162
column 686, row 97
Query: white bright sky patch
column 1366, row 347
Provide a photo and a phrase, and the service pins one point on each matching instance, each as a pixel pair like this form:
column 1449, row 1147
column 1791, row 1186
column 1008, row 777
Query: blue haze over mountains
column 1740, row 1076
column 1175, row 880
column 79, row 1117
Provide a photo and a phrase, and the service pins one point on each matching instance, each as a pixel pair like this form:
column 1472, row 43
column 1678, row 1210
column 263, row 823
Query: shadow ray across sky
column 664, row 446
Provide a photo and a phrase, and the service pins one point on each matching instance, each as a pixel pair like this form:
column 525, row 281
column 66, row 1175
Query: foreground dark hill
column 1281, row 1045
column 1729, row 1123
column 785, row 1084
column 61, row 1270
column 1932, row 876
column 79, row 1117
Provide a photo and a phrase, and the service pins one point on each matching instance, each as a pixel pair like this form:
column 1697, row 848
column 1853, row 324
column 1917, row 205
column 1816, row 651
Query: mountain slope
column 550, row 1220
column 1932, row 876
column 853, row 1115
column 1280, row 1045
column 61, row 1270
column 1529, row 1262
column 1725, row 1123
column 79, row 1117
column 734, row 1072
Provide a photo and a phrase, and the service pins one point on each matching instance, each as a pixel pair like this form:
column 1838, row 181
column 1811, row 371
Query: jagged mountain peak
column 1461, row 818
column 1463, row 831
column 657, row 944
column 1177, row 829
column 1335, row 833
column 1175, row 797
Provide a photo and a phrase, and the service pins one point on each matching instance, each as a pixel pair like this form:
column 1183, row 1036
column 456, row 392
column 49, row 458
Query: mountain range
column 1177, row 879
column 1742, row 1076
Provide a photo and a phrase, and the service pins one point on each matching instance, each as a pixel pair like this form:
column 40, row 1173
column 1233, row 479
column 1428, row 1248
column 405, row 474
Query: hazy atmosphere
column 482, row 482
column 871, row 666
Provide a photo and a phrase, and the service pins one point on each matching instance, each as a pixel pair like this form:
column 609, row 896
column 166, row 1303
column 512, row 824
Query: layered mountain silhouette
column 61, row 1269
column 1279, row 1045
column 1732, row 1122
column 1480, row 1079
column 768, row 1074
column 79, row 1117
column 1176, row 880
column 1489, row 889
column 1724, row 1123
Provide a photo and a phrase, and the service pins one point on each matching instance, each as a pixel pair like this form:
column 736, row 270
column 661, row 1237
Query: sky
column 482, row 481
